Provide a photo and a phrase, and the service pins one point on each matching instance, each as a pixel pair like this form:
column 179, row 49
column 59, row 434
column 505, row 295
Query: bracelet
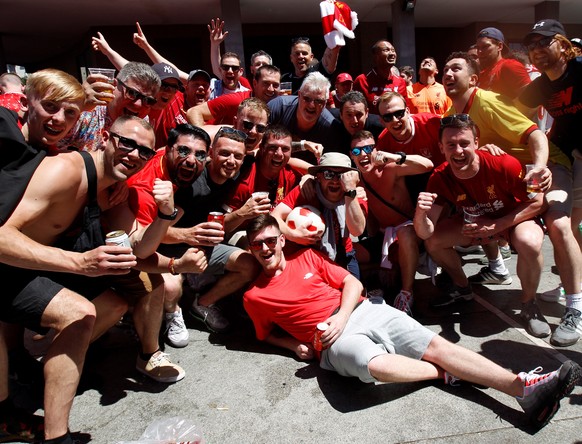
column 402, row 158
column 303, row 145
column 171, row 266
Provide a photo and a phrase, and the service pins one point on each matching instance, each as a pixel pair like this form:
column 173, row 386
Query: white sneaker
column 556, row 295
column 404, row 301
column 176, row 332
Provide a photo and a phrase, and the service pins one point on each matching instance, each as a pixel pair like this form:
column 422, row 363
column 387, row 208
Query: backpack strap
column 384, row 201
column 91, row 178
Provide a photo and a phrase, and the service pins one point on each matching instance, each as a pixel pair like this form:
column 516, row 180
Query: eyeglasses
column 330, row 175
column 446, row 121
column 227, row 68
column 184, row 152
column 318, row 102
column 300, row 40
column 356, row 151
column 128, row 145
column 229, row 130
column 250, row 125
column 172, row 86
column 134, row 95
column 541, row 43
column 257, row 245
column 399, row 114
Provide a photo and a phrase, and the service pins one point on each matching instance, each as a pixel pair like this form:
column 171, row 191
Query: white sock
column 498, row 265
column 574, row 301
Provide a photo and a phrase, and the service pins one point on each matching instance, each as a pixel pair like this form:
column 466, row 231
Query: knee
column 247, row 266
column 172, row 288
column 75, row 312
column 558, row 227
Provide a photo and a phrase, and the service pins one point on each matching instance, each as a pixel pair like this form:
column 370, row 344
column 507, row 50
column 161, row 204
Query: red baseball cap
column 344, row 77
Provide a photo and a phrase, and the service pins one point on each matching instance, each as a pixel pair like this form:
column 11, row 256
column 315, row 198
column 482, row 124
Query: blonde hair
column 56, row 85
column 569, row 52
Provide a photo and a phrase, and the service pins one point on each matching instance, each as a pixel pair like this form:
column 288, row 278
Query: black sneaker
column 454, row 294
column 211, row 316
column 542, row 393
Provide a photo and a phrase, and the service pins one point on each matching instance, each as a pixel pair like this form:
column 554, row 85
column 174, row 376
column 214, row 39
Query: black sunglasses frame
column 399, row 114
column 134, row 95
column 128, row 145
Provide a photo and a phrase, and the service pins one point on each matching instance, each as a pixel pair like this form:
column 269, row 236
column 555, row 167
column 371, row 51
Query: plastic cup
column 286, row 88
column 258, row 195
column 107, row 72
column 533, row 185
column 470, row 216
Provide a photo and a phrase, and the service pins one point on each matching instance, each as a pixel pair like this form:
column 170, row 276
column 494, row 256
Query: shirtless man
column 43, row 276
column 383, row 175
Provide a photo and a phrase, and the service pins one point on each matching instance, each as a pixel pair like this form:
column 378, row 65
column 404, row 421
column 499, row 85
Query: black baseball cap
column 547, row 28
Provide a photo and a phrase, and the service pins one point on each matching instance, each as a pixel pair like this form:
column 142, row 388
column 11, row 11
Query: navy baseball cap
column 492, row 33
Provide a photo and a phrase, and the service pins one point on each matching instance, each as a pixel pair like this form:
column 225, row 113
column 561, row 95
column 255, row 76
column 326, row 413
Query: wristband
column 168, row 216
column 303, row 145
column 171, row 266
column 402, row 158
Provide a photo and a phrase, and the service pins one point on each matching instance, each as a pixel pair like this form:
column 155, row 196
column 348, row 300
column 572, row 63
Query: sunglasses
column 356, row 151
column 446, row 121
column 134, row 95
column 229, row 130
column 388, row 117
column 541, row 43
column 128, row 145
column 227, row 68
column 184, row 152
column 330, row 175
column 318, row 102
column 270, row 242
column 250, row 125
column 172, row 86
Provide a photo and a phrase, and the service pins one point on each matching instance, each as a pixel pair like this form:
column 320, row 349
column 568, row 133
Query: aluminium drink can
column 319, row 329
column 117, row 237
column 216, row 217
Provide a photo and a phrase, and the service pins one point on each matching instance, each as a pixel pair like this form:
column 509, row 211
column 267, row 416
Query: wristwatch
column 168, row 216
column 350, row 193
column 402, row 158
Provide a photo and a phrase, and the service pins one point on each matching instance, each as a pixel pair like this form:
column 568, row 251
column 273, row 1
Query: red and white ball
column 307, row 217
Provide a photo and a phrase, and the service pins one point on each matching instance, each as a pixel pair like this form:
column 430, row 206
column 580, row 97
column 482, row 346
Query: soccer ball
column 306, row 216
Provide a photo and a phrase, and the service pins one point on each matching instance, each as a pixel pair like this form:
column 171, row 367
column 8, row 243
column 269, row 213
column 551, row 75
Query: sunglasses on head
column 445, row 121
column 128, row 145
column 399, row 114
column 257, row 245
column 318, row 102
column 247, row 125
column 229, row 130
column 134, row 95
column 185, row 151
column 227, row 68
column 330, row 175
column 356, row 151
column 544, row 42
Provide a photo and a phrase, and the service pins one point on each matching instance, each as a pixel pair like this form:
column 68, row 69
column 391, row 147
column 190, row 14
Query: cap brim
column 313, row 170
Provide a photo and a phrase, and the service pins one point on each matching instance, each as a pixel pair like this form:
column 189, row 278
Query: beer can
column 117, row 237
column 216, row 217
column 319, row 329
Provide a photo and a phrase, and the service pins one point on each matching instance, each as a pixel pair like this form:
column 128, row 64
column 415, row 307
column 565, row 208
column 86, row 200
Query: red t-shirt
column 373, row 86
column 424, row 140
column 225, row 107
column 253, row 181
column 494, row 191
column 296, row 199
column 506, row 77
column 172, row 115
column 303, row 295
column 141, row 200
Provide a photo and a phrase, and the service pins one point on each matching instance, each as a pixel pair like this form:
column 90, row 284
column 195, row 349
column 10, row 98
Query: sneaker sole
column 506, row 281
column 551, row 298
column 553, row 341
column 570, row 374
column 167, row 380
column 177, row 344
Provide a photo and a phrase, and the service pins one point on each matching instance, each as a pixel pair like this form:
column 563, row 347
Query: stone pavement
column 237, row 390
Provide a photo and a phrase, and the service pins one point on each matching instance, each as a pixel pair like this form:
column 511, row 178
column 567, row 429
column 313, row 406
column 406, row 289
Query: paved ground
column 239, row 391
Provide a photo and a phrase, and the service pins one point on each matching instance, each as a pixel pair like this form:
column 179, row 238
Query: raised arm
column 329, row 59
column 100, row 44
column 411, row 164
column 426, row 215
column 140, row 40
column 217, row 36
column 199, row 114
